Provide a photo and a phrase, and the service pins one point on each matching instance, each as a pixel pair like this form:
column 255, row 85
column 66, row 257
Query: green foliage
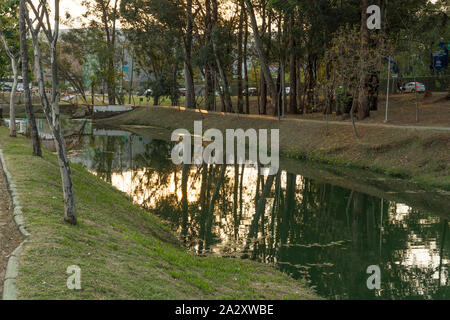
column 164, row 86
column 9, row 26
column 344, row 100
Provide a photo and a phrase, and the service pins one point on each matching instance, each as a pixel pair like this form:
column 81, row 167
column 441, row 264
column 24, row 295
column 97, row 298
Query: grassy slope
column 123, row 252
column 420, row 155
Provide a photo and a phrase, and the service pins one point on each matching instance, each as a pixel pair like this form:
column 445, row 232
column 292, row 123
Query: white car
column 148, row 92
column 413, row 87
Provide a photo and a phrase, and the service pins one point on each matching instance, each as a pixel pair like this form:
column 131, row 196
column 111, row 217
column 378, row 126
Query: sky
column 76, row 10
column 74, row 7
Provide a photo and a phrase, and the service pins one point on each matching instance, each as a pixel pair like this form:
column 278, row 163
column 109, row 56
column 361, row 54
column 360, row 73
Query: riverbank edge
column 137, row 124
column 12, row 268
column 304, row 292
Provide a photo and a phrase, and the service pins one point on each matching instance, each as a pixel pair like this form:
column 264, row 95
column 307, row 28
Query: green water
column 309, row 221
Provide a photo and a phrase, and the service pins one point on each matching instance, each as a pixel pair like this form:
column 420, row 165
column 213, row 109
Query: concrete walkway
column 10, row 237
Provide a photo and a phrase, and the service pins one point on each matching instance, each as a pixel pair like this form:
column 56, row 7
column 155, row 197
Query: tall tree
column 50, row 103
column 240, row 102
column 154, row 43
column 262, row 55
column 363, row 88
column 292, row 66
column 105, row 14
column 218, row 55
column 8, row 38
column 37, row 151
column 188, row 69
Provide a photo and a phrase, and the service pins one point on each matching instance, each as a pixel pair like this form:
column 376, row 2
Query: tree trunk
column 262, row 55
column 247, row 96
column 209, row 80
column 26, row 82
column 110, row 83
column 131, row 81
column 52, row 113
column 299, row 88
column 12, row 96
column 66, row 175
column 363, row 94
column 292, row 69
column 12, row 114
column 188, row 70
column 262, row 93
column 240, row 102
column 228, row 107
column 311, row 86
column 156, row 100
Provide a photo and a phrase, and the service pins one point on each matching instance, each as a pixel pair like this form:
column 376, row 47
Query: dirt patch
column 10, row 237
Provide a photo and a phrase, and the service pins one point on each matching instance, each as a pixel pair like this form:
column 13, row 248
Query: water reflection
column 320, row 231
column 323, row 232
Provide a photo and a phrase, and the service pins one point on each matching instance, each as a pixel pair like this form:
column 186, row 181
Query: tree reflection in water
column 324, row 233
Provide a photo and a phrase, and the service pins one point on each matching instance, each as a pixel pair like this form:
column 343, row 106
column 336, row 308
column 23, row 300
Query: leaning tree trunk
column 262, row 56
column 66, row 175
column 262, row 94
column 52, row 113
column 26, row 82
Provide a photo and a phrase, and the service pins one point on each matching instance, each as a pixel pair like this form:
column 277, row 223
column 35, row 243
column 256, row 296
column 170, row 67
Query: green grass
column 123, row 251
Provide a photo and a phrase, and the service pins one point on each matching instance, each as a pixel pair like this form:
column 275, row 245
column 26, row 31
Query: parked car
column 20, row 87
column 183, row 91
column 6, row 86
column 148, row 93
column 413, row 87
column 252, row 92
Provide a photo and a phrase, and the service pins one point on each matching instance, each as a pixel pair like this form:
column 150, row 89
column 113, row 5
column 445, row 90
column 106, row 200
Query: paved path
column 9, row 235
column 378, row 125
column 291, row 118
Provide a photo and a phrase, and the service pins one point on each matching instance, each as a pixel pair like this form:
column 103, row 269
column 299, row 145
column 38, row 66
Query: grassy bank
column 418, row 155
column 123, row 251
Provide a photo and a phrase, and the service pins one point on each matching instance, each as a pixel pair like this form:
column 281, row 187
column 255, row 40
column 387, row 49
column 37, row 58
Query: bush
column 344, row 101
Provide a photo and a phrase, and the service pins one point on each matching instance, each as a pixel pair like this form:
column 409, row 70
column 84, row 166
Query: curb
column 12, row 268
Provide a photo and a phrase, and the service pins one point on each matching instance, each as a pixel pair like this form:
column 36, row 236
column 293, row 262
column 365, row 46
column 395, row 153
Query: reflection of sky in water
column 326, row 233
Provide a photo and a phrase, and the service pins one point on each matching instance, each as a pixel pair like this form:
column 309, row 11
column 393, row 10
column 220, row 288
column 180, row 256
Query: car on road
column 414, row 87
column 148, row 93
column 252, row 92
column 5, row 86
